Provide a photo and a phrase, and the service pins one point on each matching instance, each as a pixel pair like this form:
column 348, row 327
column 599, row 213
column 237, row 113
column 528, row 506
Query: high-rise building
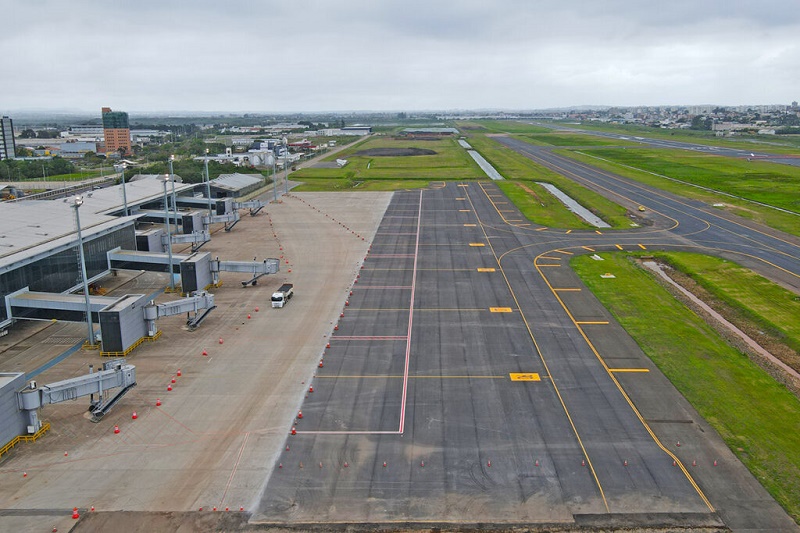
column 117, row 131
column 8, row 148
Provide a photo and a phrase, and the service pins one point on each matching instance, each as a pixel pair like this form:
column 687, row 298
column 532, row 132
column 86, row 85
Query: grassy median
column 756, row 416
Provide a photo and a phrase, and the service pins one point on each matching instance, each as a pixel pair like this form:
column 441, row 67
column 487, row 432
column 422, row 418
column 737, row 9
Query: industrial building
column 116, row 131
column 235, row 185
column 8, row 149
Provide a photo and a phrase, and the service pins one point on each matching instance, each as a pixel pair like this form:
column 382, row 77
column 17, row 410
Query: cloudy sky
column 336, row 55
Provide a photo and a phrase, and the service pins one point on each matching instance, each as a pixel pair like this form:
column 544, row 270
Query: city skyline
column 175, row 56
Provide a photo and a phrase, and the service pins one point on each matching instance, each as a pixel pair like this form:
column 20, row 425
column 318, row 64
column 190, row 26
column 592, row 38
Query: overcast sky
column 336, row 55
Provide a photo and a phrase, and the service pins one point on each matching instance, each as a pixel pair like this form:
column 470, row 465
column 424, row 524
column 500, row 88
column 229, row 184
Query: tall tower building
column 116, row 131
column 8, row 148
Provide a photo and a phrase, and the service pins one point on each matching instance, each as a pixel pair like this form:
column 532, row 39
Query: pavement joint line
column 629, row 370
column 592, row 322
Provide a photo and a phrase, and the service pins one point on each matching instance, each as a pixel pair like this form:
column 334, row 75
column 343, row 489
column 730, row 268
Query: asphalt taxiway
column 471, row 378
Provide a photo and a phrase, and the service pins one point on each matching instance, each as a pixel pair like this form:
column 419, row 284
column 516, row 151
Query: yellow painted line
column 527, row 224
column 463, row 185
column 530, row 376
column 587, row 248
column 598, row 232
column 569, row 231
column 548, row 257
column 643, row 247
column 567, row 289
column 515, row 220
column 564, row 252
column 540, row 229
column 538, row 265
column 409, row 377
column 618, row 246
column 476, row 244
column 591, row 322
column 629, row 370
column 500, row 309
column 470, row 225
column 460, row 198
column 463, row 210
column 486, row 270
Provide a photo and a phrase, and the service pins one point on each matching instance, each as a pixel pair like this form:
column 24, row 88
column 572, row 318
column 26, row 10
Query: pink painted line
column 384, row 287
column 368, row 338
column 235, row 468
column 345, row 432
column 410, row 320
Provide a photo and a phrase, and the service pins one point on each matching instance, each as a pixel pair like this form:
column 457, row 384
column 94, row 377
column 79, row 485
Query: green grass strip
column 757, row 417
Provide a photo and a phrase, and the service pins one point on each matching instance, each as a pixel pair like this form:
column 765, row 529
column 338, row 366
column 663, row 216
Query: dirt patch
column 394, row 152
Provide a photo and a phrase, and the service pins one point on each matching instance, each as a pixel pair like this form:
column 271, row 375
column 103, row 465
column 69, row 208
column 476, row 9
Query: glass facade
column 115, row 120
column 60, row 271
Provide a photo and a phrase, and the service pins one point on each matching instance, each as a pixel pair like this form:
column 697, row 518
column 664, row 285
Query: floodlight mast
column 208, row 184
column 165, row 179
column 76, row 203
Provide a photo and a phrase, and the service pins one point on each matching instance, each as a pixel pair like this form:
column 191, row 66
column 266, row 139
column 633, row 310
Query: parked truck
column 282, row 295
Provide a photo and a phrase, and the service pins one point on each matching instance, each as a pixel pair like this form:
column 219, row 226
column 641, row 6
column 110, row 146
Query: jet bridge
column 253, row 205
column 115, row 374
column 191, row 306
column 254, row 268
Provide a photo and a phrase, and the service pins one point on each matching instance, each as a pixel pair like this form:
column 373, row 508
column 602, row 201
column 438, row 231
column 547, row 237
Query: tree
column 702, row 122
column 27, row 134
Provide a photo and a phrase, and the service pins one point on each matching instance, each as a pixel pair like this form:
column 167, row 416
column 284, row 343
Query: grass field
column 500, row 126
column 514, row 166
column 571, row 139
column 343, row 184
column 757, row 417
column 756, row 299
column 451, row 162
column 757, row 181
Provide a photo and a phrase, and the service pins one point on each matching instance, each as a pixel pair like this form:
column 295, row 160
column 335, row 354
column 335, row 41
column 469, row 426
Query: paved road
column 786, row 159
column 472, row 379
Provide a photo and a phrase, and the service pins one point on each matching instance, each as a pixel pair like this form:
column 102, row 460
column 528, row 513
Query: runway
column 471, row 378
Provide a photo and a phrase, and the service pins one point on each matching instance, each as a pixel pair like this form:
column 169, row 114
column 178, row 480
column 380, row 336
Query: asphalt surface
column 414, row 416
column 785, row 159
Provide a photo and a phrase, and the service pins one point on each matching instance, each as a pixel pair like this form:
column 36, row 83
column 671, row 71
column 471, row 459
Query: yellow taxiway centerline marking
column 460, row 198
column 540, row 229
column 569, row 231
column 486, row 269
column 643, row 247
column 598, row 232
column 618, row 246
column 476, row 244
column 500, row 309
column 548, row 257
column 564, row 252
column 463, row 210
column 587, row 248
column 470, row 225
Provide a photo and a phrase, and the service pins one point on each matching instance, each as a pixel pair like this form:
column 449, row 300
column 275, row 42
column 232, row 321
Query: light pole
column 121, row 170
column 274, row 180
column 172, row 178
column 286, row 166
column 76, row 203
column 208, row 184
column 165, row 179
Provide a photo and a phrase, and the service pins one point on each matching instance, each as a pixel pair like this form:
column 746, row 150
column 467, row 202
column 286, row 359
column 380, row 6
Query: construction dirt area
column 212, row 441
